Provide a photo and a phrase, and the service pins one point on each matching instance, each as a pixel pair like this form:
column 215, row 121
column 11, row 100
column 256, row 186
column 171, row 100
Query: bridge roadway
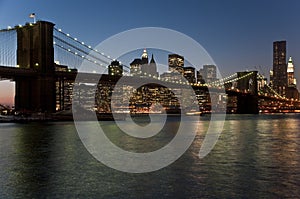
column 9, row 72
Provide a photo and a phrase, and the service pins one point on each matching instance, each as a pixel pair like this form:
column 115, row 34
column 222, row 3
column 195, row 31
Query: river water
column 256, row 156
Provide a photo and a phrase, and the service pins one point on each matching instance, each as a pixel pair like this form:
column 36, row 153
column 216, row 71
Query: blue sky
column 237, row 34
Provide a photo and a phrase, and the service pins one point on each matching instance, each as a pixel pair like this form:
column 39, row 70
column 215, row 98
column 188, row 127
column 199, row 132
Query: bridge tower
column 35, row 51
column 247, row 100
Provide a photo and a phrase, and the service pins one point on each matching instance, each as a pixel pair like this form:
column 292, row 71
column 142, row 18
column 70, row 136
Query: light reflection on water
column 255, row 156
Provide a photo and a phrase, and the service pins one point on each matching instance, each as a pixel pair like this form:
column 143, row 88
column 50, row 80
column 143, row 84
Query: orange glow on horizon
column 7, row 92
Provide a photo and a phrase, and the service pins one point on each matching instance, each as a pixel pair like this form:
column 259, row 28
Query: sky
column 238, row 35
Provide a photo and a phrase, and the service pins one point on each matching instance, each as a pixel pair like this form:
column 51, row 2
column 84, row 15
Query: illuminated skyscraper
column 280, row 80
column 176, row 63
column 145, row 57
column 189, row 74
column 209, row 73
column 135, row 67
column 271, row 77
column 290, row 73
column 115, row 68
column 292, row 91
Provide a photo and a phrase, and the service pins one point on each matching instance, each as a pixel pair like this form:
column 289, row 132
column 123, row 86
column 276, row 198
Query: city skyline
column 235, row 37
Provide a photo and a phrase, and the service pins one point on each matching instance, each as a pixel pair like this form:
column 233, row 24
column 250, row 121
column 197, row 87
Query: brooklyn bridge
column 44, row 62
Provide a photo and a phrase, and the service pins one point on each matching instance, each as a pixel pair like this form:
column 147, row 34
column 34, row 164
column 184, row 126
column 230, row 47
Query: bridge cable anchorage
column 88, row 47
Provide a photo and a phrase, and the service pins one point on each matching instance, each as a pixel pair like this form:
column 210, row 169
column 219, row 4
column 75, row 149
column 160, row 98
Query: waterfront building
column 142, row 67
column 176, row 63
column 135, row 67
column 280, row 81
column 209, row 73
column 200, row 79
column 271, row 78
column 290, row 73
column 149, row 69
column 292, row 91
column 189, row 74
column 145, row 57
column 115, row 68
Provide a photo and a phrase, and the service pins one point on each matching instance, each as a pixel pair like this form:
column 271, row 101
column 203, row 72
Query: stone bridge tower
column 247, row 100
column 35, row 51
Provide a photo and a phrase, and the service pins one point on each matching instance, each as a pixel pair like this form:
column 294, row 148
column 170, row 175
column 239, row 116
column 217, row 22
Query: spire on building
column 152, row 67
column 145, row 54
column 145, row 57
column 290, row 67
column 290, row 72
column 152, row 60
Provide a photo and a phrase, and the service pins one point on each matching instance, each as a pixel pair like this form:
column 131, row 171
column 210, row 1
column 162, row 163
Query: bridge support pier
column 247, row 104
column 247, row 100
column 35, row 94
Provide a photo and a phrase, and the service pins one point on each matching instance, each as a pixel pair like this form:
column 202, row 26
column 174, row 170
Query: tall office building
column 280, row 81
column 200, row 76
column 271, row 78
column 292, row 91
column 176, row 63
column 115, row 68
column 135, row 67
column 290, row 73
column 189, row 74
column 209, row 73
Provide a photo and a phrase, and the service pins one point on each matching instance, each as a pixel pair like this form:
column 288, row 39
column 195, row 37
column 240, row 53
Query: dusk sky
column 237, row 34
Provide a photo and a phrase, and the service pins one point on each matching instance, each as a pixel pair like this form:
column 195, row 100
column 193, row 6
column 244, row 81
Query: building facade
column 292, row 91
column 176, row 63
column 115, row 68
column 290, row 73
column 280, row 80
column 189, row 74
column 142, row 67
column 207, row 74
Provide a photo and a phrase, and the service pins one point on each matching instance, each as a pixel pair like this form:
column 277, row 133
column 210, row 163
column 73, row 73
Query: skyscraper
column 209, row 73
column 200, row 76
column 189, row 74
column 176, row 63
column 280, row 80
column 115, row 68
column 292, row 91
column 135, row 67
column 290, row 73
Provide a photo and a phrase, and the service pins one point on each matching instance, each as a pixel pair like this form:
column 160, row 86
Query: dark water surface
column 256, row 156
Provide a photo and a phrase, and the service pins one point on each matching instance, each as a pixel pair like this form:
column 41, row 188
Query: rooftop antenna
column 32, row 15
